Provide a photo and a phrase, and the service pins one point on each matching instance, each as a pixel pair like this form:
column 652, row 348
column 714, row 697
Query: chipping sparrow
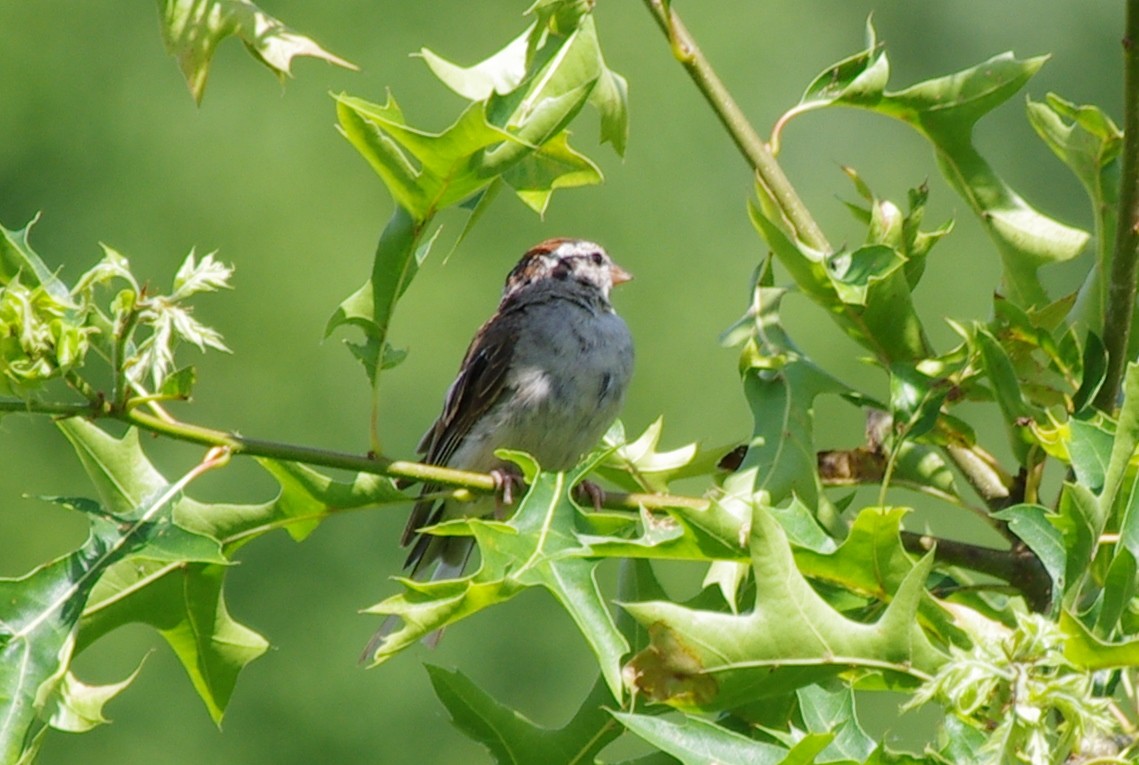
column 546, row 374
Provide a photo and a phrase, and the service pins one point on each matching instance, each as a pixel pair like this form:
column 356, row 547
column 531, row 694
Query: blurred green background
column 98, row 132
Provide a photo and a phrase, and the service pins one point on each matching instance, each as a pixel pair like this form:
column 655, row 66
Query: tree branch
column 755, row 151
column 1124, row 261
column 1017, row 566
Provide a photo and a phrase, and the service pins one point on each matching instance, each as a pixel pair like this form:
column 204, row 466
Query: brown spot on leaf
column 669, row 671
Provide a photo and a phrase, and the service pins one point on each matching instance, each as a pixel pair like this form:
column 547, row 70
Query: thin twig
column 768, row 171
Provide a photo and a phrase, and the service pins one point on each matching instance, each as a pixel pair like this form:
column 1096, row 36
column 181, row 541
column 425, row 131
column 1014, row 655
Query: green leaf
column 704, row 660
column 886, row 225
column 182, row 595
column 1084, row 649
column 179, row 384
column 1035, row 526
column 1076, row 521
column 307, row 497
column 679, row 534
column 371, row 307
column 781, row 386
column 18, row 258
column 638, row 465
column 553, row 165
column 866, row 291
column 872, row 562
column 185, row 603
column 858, row 78
column 39, row 612
column 500, row 73
column 1122, row 452
column 540, row 55
column 537, row 547
column 512, row 738
column 945, row 111
column 915, row 400
column 1018, row 413
column 177, row 587
column 425, row 172
column 1089, row 143
column 76, row 707
column 695, row 741
column 192, row 30
column 832, row 711
column 1089, row 449
column 38, row 617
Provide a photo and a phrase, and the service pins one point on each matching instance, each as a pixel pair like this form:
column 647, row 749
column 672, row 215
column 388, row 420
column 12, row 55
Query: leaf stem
column 768, row 171
column 1125, row 259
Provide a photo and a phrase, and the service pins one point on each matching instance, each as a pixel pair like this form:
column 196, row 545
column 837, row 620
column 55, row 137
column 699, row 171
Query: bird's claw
column 588, row 491
column 505, row 484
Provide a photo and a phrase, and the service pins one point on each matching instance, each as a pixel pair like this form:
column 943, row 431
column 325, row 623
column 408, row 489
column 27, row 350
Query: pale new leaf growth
column 206, row 275
column 114, row 265
column 186, row 327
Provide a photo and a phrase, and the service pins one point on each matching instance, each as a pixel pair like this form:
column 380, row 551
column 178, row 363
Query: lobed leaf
column 696, row 741
column 873, row 563
column 40, row 614
column 511, row 737
column 865, row 291
column 176, row 583
column 192, row 30
column 703, row 660
column 781, row 385
column 1086, row 140
column 536, row 547
column 945, row 111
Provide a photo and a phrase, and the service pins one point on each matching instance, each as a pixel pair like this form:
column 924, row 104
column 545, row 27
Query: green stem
column 768, row 171
column 256, row 447
column 1121, row 286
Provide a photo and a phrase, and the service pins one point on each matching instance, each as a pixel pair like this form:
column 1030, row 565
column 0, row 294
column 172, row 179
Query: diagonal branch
column 755, row 151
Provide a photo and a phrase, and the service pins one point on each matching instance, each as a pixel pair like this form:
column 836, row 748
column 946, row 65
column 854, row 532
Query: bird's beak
column 619, row 275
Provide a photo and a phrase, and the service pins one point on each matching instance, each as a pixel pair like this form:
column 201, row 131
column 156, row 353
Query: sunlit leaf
column 866, row 291
column 192, row 30
column 708, row 660
column 39, row 613
column 945, row 110
column 860, row 78
column 872, row 562
column 77, row 707
column 532, row 549
column 1089, row 143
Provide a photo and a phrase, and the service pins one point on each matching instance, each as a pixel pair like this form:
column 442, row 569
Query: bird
column 546, row 374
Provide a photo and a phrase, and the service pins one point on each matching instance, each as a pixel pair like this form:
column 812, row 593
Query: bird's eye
column 597, row 258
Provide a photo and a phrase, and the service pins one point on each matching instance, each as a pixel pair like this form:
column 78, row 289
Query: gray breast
column 567, row 385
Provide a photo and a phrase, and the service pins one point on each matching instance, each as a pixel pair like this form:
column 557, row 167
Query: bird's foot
column 588, row 491
column 506, row 482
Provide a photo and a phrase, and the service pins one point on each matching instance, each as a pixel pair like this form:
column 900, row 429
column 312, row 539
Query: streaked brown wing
column 481, row 381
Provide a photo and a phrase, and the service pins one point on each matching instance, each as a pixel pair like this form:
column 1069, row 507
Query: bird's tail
column 441, row 558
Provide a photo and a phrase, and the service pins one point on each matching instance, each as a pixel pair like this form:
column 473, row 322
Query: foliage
column 807, row 600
